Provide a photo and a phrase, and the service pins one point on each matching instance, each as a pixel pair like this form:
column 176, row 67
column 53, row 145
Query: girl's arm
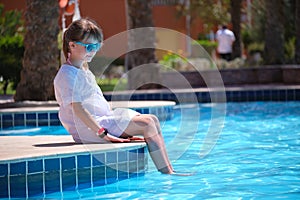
column 86, row 117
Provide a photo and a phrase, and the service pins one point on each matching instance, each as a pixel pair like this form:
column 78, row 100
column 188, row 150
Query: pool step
column 39, row 165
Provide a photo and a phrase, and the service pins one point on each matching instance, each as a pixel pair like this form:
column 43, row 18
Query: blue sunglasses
column 90, row 47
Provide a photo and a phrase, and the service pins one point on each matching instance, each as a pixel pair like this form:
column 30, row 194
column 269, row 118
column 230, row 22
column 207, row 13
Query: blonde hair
column 79, row 31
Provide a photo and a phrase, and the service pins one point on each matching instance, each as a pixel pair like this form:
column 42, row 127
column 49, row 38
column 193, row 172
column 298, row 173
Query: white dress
column 78, row 85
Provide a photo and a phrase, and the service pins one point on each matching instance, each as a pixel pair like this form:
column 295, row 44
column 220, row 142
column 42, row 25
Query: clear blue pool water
column 257, row 156
column 30, row 131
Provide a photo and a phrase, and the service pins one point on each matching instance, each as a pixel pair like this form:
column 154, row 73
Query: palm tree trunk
column 41, row 56
column 236, row 27
column 297, row 17
column 274, row 33
column 143, row 73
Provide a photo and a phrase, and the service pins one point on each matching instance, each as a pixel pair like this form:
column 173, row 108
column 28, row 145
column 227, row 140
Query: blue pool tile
column 98, row 159
column 31, row 116
column 17, row 168
column 19, row 119
column 19, row 122
column 52, row 181
column 99, row 175
column 42, row 116
column 7, row 117
column 156, row 96
column 243, row 95
column 111, row 173
column 84, row 185
column 111, row 157
column 43, row 123
column 123, row 171
column 227, row 93
column 69, row 179
column 18, row 186
column 205, row 96
column 19, row 116
column 68, row 163
column 231, row 96
column 133, row 175
column 3, row 169
column 53, row 116
column 43, row 119
column 35, row 166
column 138, row 110
column 83, row 161
column 146, row 110
column 122, row 156
column 31, row 119
column 290, row 95
column 297, row 94
column 282, row 95
column 259, row 95
column 54, row 120
column 140, row 96
column 274, row 95
column 31, row 123
column 251, row 96
column 165, row 96
column 267, row 95
column 141, row 166
column 7, row 120
column 134, row 97
column 107, row 97
column 35, row 184
column 141, row 150
column 132, row 155
column 84, row 177
column 52, row 164
column 140, row 153
column 55, row 123
column 133, row 167
column 4, row 187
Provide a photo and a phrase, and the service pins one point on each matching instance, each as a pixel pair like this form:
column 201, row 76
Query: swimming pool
column 32, row 131
column 257, row 156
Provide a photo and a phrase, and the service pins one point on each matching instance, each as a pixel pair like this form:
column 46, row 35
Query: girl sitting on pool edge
column 84, row 111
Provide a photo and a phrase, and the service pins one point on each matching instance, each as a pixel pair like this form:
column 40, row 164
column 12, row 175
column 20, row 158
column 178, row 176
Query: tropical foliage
column 11, row 47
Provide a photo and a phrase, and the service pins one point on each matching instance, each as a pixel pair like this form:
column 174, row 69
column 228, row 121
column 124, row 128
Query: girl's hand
column 114, row 139
column 138, row 139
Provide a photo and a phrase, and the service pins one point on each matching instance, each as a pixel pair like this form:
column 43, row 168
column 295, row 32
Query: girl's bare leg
column 148, row 126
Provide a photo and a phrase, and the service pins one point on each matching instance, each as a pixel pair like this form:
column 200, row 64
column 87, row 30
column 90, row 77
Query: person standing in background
column 225, row 39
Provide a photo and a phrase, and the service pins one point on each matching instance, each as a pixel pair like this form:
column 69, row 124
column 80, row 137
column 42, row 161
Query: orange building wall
column 165, row 16
column 12, row 5
column 111, row 15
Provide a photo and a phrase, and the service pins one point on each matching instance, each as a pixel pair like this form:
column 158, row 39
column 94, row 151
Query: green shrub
column 115, row 84
column 289, row 50
column 11, row 47
column 172, row 60
column 208, row 45
column 255, row 47
column 11, row 54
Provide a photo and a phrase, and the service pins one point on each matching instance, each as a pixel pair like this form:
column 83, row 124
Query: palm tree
column 274, row 33
column 41, row 57
column 236, row 26
column 140, row 15
column 297, row 19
